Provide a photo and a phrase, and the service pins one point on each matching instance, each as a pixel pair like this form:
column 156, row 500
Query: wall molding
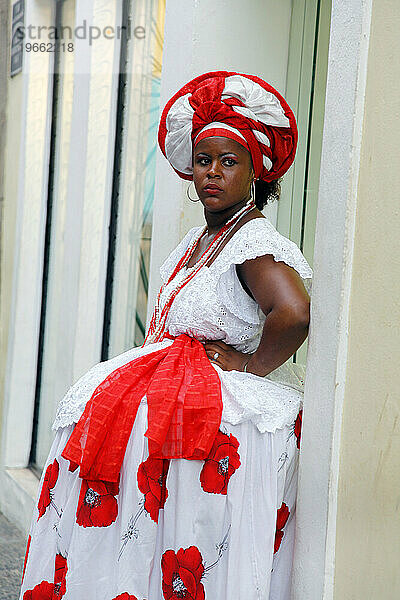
column 314, row 560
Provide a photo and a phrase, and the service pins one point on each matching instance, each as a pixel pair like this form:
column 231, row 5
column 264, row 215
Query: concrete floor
column 12, row 553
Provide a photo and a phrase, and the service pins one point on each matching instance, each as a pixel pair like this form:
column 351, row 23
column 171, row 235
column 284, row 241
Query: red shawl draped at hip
column 184, row 403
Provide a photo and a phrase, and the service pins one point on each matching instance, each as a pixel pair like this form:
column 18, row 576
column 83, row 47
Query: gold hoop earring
column 187, row 193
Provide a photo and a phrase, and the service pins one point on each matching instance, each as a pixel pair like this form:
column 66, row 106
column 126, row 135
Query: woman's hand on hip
column 225, row 356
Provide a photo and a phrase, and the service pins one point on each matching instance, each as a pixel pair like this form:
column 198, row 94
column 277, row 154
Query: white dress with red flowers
column 215, row 529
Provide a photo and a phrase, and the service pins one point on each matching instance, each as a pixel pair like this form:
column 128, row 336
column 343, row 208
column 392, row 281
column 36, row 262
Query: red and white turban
column 235, row 105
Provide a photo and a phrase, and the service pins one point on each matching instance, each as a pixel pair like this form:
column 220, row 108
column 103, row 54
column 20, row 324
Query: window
column 53, row 279
column 127, row 284
column 123, row 221
column 305, row 93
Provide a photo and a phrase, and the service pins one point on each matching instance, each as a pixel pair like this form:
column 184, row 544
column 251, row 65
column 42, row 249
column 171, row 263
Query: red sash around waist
column 184, row 402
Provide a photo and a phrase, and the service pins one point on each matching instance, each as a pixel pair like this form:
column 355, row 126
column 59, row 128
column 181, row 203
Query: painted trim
column 20, row 376
column 313, row 570
column 355, row 159
column 96, row 189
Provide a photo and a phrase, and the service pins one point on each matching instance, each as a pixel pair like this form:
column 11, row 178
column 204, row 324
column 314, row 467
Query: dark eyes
column 205, row 161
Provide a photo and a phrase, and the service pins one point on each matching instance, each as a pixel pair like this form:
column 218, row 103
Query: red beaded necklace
column 158, row 320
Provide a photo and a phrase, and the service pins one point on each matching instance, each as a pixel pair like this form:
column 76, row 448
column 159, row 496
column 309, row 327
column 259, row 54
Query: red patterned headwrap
column 235, row 105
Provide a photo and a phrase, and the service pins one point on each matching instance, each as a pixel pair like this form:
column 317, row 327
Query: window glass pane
column 135, row 203
column 306, row 85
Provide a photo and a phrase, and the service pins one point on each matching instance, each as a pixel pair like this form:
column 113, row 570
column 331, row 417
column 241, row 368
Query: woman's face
column 223, row 162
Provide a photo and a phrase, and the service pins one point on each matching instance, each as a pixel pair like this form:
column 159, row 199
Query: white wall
column 368, row 524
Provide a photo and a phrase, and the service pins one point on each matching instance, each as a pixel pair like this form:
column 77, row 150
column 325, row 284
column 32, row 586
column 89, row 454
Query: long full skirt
column 219, row 529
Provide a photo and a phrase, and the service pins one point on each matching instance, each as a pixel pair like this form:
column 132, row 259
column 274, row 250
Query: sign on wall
column 17, row 37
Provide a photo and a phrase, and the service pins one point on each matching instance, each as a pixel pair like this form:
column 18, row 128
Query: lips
column 212, row 187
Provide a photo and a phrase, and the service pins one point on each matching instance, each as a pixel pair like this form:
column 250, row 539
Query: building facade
column 90, row 209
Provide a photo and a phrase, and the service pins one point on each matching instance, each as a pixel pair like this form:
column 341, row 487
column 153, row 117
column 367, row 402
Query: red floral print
column 182, row 573
column 152, row 476
column 43, row 591
column 51, row 591
column 28, row 545
column 297, row 427
column 97, row 505
column 59, row 576
column 125, row 596
column 50, row 479
column 281, row 520
column 220, row 464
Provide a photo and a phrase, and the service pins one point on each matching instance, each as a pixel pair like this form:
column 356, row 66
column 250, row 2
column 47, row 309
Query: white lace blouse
column 214, row 306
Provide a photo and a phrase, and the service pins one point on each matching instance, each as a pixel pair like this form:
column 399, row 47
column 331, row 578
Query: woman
column 173, row 471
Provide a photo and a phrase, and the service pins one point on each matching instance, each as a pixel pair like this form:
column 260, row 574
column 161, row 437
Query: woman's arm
column 280, row 293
